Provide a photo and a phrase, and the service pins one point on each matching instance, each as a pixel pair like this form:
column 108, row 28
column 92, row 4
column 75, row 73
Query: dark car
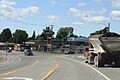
column 28, row 52
column 8, row 50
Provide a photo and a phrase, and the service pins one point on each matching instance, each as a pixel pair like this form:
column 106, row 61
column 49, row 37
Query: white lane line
column 13, row 63
column 11, row 78
column 90, row 67
column 19, row 59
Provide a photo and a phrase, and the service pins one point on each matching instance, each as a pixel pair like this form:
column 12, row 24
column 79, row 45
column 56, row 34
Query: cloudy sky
column 85, row 16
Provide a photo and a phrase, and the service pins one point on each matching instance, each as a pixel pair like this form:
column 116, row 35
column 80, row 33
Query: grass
column 49, row 52
column 56, row 52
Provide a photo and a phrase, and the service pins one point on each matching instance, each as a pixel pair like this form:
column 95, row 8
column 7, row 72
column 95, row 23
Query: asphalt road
column 43, row 66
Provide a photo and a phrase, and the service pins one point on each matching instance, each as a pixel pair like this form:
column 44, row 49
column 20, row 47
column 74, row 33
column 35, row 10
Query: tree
column 76, row 36
column 47, row 32
column 102, row 31
column 11, row 40
column 37, row 37
column 65, row 32
column 0, row 37
column 34, row 35
column 20, row 36
column 6, row 35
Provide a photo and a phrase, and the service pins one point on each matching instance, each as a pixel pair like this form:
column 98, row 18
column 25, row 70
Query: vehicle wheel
column 90, row 59
column 66, row 53
column 98, row 61
column 86, row 59
column 117, row 62
column 25, row 54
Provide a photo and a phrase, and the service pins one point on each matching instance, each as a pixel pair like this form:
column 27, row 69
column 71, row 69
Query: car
column 8, row 50
column 69, row 51
column 28, row 52
column 22, row 49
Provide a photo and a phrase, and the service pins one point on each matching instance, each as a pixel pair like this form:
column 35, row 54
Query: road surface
column 43, row 66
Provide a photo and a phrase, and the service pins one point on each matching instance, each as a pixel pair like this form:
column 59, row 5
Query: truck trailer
column 103, row 49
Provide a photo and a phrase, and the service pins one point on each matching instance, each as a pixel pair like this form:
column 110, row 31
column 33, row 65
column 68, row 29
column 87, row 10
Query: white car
column 28, row 52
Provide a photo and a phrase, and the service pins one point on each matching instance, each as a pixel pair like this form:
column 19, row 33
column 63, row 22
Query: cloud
column 98, row 1
column 1, row 18
column 65, row 4
column 81, row 4
column 75, row 12
column 80, row 13
column 8, row 11
column 52, row 18
column 28, row 11
column 78, row 24
column 53, row 2
column 115, row 3
column 89, row 15
column 115, row 15
column 6, row 4
column 96, row 19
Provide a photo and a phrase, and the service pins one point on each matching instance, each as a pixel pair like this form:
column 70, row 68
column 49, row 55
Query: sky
column 85, row 16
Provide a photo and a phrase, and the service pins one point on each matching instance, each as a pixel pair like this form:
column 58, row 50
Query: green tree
column 6, row 35
column 0, row 37
column 11, row 40
column 65, row 32
column 102, row 31
column 34, row 35
column 37, row 37
column 20, row 36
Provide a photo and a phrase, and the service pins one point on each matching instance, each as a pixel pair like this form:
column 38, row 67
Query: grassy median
column 56, row 52
column 49, row 52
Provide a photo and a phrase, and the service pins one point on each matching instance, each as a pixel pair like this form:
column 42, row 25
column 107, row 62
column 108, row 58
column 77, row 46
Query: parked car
column 22, row 49
column 8, row 50
column 69, row 50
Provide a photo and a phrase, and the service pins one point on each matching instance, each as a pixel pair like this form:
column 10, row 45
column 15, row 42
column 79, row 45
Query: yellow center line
column 50, row 72
column 37, row 61
column 7, row 73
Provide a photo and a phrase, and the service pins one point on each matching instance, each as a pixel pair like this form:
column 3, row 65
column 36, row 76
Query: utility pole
column 62, row 41
column 108, row 27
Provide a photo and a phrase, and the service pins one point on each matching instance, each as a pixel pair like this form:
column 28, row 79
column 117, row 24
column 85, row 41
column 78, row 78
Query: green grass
column 56, row 52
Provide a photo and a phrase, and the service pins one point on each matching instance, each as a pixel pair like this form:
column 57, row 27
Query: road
column 43, row 66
